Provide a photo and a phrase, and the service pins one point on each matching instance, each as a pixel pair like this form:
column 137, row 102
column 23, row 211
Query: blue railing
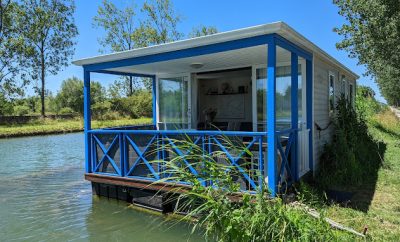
column 131, row 153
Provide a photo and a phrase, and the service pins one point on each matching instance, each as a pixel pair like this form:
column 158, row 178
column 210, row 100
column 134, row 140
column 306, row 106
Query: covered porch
column 251, row 88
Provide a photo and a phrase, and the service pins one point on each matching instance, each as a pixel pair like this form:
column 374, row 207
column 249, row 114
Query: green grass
column 376, row 203
column 48, row 126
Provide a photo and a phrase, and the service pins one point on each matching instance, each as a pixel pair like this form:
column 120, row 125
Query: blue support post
column 154, row 90
column 271, row 117
column 87, row 120
column 309, row 95
column 295, row 113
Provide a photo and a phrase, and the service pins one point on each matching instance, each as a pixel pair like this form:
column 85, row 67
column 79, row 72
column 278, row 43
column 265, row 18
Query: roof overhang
column 279, row 28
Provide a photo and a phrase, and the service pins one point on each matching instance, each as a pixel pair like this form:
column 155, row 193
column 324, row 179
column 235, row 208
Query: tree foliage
column 48, row 29
column 71, row 94
column 372, row 35
column 123, row 32
column 119, row 24
column 11, row 47
column 160, row 26
column 202, row 31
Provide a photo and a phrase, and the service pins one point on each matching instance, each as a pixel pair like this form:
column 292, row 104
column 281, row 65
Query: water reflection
column 43, row 197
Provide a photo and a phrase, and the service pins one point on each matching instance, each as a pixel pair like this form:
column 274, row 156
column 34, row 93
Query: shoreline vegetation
column 60, row 126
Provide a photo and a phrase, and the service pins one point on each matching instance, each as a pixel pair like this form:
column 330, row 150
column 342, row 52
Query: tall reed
column 222, row 209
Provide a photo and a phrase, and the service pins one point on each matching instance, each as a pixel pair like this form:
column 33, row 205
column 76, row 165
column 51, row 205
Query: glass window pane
column 283, row 97
column 261, row 87
column 173, row 103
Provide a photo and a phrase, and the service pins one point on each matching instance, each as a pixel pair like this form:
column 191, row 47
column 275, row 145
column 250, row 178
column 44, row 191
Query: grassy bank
column 48, row 126
column 376, row 203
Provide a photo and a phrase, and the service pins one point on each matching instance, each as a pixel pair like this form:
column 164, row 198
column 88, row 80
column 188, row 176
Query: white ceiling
column 219, row 61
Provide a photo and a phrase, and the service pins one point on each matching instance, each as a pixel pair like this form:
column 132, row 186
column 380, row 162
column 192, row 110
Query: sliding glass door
column 173, row 102
column 283, row 97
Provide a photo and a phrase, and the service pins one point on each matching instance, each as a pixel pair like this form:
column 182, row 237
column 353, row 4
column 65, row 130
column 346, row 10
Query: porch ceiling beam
column 185, row 53
column 289, row 46
column 123, row 73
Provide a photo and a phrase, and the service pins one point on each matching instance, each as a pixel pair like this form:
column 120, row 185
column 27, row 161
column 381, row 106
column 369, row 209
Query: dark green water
column 43, row 197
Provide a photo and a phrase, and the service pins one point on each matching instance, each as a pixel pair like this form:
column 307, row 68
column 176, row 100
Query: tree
column 48, row 28
column 123, row 32
column 161, row 23
column 120, row 27
column 371, row 34
column 202, row 31
column 11, row 47
column 71, row 94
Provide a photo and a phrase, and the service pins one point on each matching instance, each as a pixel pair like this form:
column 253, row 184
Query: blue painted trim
column 87, row 120
column 271, row 118
column 154, row 90
column 295, row 111
column 310, row 122
column 106, row 155
column 178, row 54
column 123, row 73
column 180, row 132
column 141, row 156
column 286, row 44
column 122, row 157
column 260, row 164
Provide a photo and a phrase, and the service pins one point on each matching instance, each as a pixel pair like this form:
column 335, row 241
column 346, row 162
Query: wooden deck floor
column 136, row 183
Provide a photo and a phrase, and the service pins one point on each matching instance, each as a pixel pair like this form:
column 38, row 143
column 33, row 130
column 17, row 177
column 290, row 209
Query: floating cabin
column 265, row 87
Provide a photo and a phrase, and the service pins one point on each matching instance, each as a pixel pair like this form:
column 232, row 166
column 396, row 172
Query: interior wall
column 232, row 107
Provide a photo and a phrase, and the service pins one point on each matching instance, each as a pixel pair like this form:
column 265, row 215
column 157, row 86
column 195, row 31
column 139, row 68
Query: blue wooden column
column 271, row 117
column 154, row 94
column 295, row 113
column 87, row 120
column 310, row 122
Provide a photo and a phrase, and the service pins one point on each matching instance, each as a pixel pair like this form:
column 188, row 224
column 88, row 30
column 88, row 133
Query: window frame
column 344, row 85
column 351, row 93
column 331, row 107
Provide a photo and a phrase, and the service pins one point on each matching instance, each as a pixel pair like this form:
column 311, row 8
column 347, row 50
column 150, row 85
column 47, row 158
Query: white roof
column 280, row 28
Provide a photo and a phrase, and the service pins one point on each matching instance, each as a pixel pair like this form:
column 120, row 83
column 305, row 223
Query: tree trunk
column 43, row 111
column 130, row 85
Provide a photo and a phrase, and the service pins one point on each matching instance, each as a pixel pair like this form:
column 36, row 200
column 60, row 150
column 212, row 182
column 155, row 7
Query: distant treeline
column 105, row 104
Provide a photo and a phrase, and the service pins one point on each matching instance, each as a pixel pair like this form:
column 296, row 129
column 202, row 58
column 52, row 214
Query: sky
column 315, row 19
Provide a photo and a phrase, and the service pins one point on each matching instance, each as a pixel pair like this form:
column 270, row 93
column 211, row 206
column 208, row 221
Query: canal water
column 44, row 197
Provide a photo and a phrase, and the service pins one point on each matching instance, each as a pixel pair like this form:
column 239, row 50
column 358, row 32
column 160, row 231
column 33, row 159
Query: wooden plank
column 137, row 183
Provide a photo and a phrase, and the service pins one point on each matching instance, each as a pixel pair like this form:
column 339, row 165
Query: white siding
column 321, row 103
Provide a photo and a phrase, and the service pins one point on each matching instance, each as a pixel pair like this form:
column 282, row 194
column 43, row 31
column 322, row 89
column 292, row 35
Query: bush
column 142, row 104
column 66, row 110
column 6, row 107
column 353, row 155
column 100, row 109
column 135, row 106
column 21, row 110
